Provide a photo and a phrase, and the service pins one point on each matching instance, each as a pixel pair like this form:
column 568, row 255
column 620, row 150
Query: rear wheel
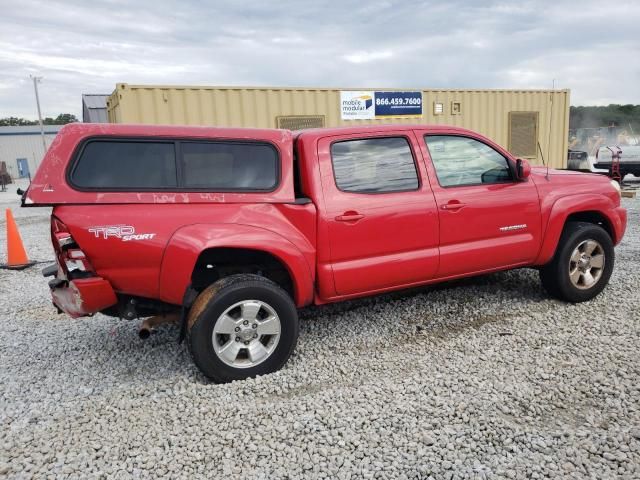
column 240, row 327
column 582, row 264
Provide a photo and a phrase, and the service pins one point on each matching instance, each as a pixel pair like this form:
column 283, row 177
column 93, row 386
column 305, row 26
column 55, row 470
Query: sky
column 590, row 47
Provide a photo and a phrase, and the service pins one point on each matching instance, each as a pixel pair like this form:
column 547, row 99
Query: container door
column 23, row 167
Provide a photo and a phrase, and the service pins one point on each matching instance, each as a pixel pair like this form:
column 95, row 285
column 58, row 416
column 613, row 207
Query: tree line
column 614, row 115
column 61, row 119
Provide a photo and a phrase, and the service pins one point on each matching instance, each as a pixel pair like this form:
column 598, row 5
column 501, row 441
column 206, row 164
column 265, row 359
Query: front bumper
column 83, row 296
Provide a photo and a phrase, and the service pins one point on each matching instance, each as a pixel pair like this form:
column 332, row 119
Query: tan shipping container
column 516, row 119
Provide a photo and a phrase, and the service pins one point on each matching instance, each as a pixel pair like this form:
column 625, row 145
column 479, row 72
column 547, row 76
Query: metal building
column 94, row 108
column 516, row 119
column 21, row 148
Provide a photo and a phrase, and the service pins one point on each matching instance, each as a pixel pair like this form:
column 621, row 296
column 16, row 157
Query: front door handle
column 453, row 205
column 349, row 217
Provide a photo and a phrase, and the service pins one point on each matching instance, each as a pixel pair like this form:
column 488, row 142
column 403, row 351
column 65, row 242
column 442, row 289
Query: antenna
column 543, row 162
column 549, row 132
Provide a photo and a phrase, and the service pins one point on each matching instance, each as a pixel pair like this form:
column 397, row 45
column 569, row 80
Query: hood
column 542, row 171
column 562, row 183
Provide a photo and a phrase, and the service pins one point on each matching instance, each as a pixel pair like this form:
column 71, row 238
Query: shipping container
column 524, row 121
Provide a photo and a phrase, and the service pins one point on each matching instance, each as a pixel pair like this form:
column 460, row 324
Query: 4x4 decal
column 124, row 232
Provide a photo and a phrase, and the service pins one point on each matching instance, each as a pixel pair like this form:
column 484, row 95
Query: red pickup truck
column 232, row 230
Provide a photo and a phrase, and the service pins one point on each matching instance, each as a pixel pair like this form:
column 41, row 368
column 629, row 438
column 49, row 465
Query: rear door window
column 126, row 165
column 374, row 165
column 229, row 166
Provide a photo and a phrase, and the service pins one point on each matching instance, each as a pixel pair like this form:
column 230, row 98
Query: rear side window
column 229, row 166
column 374, row 165
column 174, row 164
column 106, row 164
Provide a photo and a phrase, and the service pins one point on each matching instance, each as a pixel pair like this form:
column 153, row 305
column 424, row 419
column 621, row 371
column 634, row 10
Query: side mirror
column 523, row 169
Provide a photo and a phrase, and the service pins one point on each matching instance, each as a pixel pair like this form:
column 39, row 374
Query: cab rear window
column 223, row 166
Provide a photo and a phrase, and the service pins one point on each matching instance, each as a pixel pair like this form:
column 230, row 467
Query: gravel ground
column 486, row 378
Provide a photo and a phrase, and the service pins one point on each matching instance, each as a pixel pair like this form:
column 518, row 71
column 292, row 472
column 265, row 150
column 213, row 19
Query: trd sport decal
column 124, row 232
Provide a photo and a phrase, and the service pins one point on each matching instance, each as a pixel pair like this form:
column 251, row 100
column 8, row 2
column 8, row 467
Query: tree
column 65, row 118
column 61, row 119
column 624, row 116
column 15, row 121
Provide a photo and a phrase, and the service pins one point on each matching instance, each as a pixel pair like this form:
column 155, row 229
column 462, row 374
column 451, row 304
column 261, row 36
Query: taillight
column 64, row 240
column 70, row 257
column 60, row 235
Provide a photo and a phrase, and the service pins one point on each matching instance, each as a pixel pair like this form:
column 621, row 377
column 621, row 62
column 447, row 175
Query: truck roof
column 89, row 129
column 313, row 132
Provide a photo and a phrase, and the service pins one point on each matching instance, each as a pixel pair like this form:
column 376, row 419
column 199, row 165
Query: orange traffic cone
column 16, row 255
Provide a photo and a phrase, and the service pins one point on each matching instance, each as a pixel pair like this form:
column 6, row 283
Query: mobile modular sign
column 368, row 105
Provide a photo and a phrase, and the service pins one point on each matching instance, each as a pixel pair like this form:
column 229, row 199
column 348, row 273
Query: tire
column 241, row 326
column 565, row 276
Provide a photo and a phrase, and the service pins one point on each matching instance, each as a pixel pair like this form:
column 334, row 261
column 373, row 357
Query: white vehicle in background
column 629, row 159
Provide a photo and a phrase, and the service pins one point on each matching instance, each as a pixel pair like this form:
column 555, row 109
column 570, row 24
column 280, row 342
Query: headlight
column 616, row 185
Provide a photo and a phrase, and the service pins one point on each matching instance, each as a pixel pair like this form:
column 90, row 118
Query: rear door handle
column 453, row 206
column 349, row 217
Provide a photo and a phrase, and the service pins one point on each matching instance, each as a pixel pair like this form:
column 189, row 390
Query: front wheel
column 582, row 264
column 240, row 327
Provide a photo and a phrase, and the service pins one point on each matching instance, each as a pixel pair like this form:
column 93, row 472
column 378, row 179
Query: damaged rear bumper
column 83, row 296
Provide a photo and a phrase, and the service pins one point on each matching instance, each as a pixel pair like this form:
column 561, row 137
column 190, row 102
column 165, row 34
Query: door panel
column 499, row 226
column 388, row 247
column 494, row 221
column 377, row 240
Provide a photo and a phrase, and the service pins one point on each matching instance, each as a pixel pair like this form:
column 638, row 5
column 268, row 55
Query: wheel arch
column 592, row 216
column 590, row 208
column 214, row 263
column 193, row 247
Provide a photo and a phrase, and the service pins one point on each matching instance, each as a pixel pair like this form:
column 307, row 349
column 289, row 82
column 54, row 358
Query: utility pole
column 37, row 80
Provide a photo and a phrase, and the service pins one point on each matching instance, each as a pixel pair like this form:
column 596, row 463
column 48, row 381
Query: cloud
column 88, row 47
column 367, row 57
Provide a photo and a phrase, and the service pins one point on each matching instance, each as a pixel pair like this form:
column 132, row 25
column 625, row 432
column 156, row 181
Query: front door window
column 465, row 161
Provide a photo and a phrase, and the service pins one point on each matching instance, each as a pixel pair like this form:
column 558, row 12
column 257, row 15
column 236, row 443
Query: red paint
column 49, row 185
column 341, row 245
column 187, row 242
column 84, row 296
column 376, row 240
